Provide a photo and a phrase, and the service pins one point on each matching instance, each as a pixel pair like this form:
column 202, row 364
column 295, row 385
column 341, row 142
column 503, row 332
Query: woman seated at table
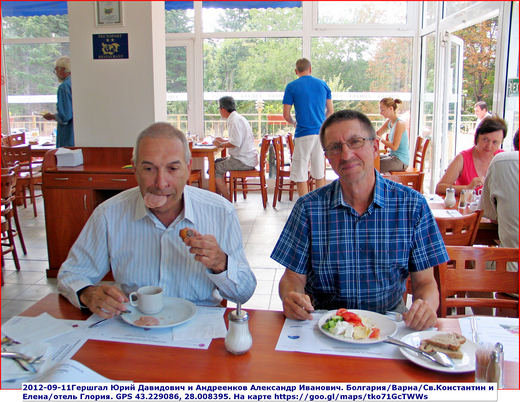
column 469, row 168
column 397, row 140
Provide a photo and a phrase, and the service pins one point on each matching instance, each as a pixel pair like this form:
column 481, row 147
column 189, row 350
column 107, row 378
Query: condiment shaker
column 462, row 199
column 238, row 338
column 494, row 372
column 449, row 200
column 500, row 352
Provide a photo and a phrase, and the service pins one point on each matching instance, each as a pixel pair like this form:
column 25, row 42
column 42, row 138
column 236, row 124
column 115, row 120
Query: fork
column 21, row 356
column 474, row 329
column 395, row 316
column 104, row 319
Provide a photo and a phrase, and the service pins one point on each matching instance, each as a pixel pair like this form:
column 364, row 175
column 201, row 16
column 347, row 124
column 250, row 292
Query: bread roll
column 428, row 348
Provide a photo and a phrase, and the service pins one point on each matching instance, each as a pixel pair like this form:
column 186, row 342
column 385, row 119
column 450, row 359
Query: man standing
column 353, row 243
column 63, row 117
column 241, row 145
column 481, row 111
column 312, row 102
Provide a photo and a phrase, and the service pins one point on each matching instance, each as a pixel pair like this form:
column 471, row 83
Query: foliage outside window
column 453, row 7
column 362, row 12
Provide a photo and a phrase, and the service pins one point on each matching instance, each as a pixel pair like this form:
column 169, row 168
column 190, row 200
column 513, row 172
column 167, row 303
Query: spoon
column 436, row 357
column 104, row 319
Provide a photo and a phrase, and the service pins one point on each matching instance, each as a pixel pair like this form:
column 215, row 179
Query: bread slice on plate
column 429, row 348
column 446, row 341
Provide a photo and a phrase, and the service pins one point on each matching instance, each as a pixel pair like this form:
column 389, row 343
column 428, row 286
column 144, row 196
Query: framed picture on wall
column 109, row 13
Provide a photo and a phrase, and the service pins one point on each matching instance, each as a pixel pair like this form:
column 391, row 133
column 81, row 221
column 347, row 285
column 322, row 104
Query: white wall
column 114, row 100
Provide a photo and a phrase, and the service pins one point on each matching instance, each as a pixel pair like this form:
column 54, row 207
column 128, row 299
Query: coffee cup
column 149, row 299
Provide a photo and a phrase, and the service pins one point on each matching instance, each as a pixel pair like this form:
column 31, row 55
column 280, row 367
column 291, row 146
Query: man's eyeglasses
column 337, row 148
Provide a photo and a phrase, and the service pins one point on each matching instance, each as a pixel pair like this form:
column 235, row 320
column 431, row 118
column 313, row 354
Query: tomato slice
column 351, row 318
column 375, row 333
column 341, row 311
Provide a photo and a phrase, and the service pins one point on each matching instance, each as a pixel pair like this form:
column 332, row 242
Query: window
column 362, row 12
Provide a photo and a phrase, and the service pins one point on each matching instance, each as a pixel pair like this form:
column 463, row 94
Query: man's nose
column 161, row 181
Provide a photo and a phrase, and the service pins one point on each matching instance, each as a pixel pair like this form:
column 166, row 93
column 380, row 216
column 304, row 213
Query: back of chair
column 290, row 144
column 466, row 272
column 421, row 146
column 16, row 139
column 278, row 149
column 414, row 180
column 7, row 184
column 264, row 150
column 20, row 154
column 460, row 231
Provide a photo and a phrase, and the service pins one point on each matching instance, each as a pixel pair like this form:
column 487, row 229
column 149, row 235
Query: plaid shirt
column 360, row 262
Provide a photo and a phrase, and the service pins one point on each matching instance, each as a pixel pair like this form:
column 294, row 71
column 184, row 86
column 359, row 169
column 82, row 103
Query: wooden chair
column 8, row 245
column 421, row 146
column 16, row 139
column 282, row 172
column 460, row 231
column 414, row 181
column 196, row 174
column 466, row 272
column 29, row 174
column 18, row 232
column 238, row 178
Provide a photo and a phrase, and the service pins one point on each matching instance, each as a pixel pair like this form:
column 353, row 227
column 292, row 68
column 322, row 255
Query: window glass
column 177, row 21
column 362, row 12
column 429, row 13
column 250, row 20
column 360, row 71
column 453, row 7
column 32, row 84
column 176, row 87
column 40, row 26
column 239, row 67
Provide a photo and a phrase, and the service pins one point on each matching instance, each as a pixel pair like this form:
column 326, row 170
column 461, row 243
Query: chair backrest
column 5, row 140
column 421, row 146
column 7, row 184
column 16, row 139
column 278, row 150
column 466, row 272
column 20, row 154
column 290, row 144
column 264, row 150
column 414, row 180
column 460, row 231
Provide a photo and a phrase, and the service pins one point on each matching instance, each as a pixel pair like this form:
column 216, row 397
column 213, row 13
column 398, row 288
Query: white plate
column 464, row 365
column 385, row 325
column 175, row 312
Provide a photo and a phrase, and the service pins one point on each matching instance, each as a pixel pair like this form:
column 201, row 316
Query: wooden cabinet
column 71, row 194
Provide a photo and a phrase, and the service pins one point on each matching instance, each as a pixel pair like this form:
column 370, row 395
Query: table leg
column 211, row 172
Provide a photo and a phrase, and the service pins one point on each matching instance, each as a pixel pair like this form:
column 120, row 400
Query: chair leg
column 18, row 227
column 264, row 192
column 276, row 190
column 11, row 240
column 33, row 198
column 244, row 188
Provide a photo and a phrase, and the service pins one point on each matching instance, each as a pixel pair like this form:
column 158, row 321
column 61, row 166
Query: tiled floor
column 260, row 229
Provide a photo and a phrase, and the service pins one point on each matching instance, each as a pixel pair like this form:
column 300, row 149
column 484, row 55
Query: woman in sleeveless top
column 469, row 168
column 398, row 157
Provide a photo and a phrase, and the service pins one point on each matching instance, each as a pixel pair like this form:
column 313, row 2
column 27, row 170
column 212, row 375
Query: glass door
column 452, row 142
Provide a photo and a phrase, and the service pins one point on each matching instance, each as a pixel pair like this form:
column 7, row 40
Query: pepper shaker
column 494, row 373
column 500, row 352
column 462, row 199
column 238, row 338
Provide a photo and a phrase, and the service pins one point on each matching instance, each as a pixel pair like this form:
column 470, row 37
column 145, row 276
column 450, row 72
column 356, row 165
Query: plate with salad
column 356, row 326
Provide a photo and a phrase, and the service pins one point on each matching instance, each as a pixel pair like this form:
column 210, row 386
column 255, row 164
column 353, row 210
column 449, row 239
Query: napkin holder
column 69, row 157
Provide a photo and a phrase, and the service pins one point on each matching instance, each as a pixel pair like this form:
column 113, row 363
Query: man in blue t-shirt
column 312, row 102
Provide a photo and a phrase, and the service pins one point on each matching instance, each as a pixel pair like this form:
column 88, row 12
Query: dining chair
column 16, row 139
column 460, row 230
column 8, row 245
column 282, row 172
column 421, row 146
column 468, row 271
column 196, row 174
column 238, row 178
column 18, row 232
column 29, row 173
column 414, row 181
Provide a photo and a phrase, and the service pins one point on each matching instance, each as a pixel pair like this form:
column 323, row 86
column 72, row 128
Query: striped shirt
column 122, row 235
column 360, row 262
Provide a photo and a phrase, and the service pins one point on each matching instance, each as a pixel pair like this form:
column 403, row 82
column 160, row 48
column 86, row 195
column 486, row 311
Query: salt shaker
column 499, row 349
column 238, row 338
column 494, row 372
column 449, row 200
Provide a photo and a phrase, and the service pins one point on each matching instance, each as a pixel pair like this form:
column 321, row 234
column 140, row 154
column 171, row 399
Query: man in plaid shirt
column 353, row 243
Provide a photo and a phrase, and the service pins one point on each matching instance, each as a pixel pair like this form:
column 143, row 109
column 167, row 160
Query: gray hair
column 228, row 103
column 162, row 130
column 344, row 115
column 63, row 62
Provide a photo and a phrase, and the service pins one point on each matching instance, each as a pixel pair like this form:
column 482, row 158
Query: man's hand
column 49, row 116
column 421, row 315
column 297, row 306
column 105, row 300
column 207, row 251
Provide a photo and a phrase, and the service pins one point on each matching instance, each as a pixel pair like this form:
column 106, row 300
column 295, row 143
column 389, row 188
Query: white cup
column 149, row 299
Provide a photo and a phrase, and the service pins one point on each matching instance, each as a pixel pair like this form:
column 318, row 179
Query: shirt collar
column 141, row 210
column 379, row 197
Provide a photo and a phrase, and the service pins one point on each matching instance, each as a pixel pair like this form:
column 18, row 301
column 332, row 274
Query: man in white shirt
column 135, row 234
column 481, row 111
column 240, row 144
